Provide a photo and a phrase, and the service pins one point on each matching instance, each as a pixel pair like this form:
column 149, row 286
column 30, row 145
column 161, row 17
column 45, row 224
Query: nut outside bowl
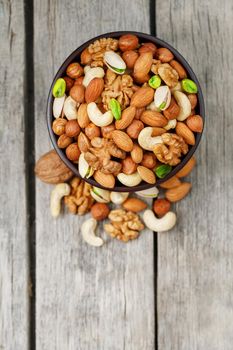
column 144, row 38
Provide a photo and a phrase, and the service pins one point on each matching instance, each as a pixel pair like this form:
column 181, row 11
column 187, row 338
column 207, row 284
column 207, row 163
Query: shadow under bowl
column 200, row 109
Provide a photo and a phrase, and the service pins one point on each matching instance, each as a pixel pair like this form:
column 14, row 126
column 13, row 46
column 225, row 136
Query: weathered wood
column 87, row 298
column 13, row 218
column 195, row 260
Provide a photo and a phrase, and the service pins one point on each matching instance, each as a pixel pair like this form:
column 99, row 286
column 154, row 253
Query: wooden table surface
column 171, row 291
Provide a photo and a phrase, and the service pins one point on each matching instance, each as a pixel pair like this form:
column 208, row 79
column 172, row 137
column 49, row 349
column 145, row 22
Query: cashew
column 58, row 104
column 171, row 124
column 91, row 73
column 118, row 197
column 167, row 222
column 59, row 191
column 149, row 193
column 129, row 180
column 88, row 233
column 178, row 87
column 86, row 69
column 100, row 195
column 185, row 105
column 70, row 108
column 146, row 141
column 97, row 117
column 85, row 170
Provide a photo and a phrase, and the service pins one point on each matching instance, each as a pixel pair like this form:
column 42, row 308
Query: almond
column 153, row 118
column 146, row 174
column 179, row 192
column 195, row 123
column 143, row 65
column 143, row 79
column 186, row 170
column 172, row 111
column 51, row 169
column 77, row 93
column 136, row 154
column 142, row 97
column 179, row 68
column 186, row 133
column 134, row 128
column 94, row 89
column 158, row 131
column 83, row 142
column 105, row 180
column 130, row 58
column 126, row 118
column 164, row 55
column 83, row 118
column 134, row 204
column 122, row 140
column 171, row 183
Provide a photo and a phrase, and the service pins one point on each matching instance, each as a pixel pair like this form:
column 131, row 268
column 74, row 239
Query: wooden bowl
column 200, row 109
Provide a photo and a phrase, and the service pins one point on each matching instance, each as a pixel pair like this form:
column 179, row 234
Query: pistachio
column 162, row 97
column 189, row 86
column 59, row 88
column 85, row 170
column 162, row 170
column 155, row 82
column 114, row 62
column 115, row 108
column 58, row 104
column 100, row 195
column 149, row 193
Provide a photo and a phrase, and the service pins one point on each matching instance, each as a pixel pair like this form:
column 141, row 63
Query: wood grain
column 195, row 261
column 13, row 217
column 87, row 298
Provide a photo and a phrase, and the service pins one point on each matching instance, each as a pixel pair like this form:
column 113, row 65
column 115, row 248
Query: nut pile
column 125, row 112
column 121, row 209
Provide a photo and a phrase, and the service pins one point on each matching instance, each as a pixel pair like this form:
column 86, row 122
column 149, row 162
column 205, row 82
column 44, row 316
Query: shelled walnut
column 80, row 200
column 124, row 225
column 98, row 48
column 170, row 151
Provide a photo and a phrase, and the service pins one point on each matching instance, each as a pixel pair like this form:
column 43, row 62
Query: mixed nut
column 128, row 215
column 125, row 112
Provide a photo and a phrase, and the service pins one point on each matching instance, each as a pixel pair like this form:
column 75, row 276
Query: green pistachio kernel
column 189, row 86
column 163, row 104
column 155, row 82
column 59, row 88
column 115, row 108
column 162, row 170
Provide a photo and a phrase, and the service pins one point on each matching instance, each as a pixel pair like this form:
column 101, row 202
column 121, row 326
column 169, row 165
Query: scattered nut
column 161, row 206
column 100, row 211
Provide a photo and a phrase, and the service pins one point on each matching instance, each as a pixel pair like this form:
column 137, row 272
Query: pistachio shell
column 162, row 97
column 58, row 104
column 84, row 168
column 114, row 62
column 100, row 195
column 149, row 193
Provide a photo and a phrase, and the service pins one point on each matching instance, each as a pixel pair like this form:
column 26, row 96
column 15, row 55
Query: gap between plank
column 29, row 156
column 155, row 240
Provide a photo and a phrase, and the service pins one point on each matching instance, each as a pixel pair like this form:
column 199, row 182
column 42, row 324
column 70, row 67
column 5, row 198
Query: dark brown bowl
column 200, row 109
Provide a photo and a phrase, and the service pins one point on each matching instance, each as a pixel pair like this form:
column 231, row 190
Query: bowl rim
column 60, row 72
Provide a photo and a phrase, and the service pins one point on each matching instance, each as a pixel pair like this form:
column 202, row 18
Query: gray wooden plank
column 195, row 260
column 86, row 298
column 13, row 217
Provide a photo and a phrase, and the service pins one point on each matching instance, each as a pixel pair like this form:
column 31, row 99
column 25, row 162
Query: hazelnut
column 59, row 126
column 64, row 141
column 128, row 42
column 149, row 160
column 130, row 57
column 139, row 112
column 164, row 55
column 92, row 131
column 148, row 47
column 79, row 81
column 107, row 131
column 72, row 128
column 69, row 83
column 134, row 129
column 193, row 100
column 128, row 166
column 100, row 211
column 85, row 57
column 74, row 70
column 77, row 92
column 73, row 152
column 161, row 206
